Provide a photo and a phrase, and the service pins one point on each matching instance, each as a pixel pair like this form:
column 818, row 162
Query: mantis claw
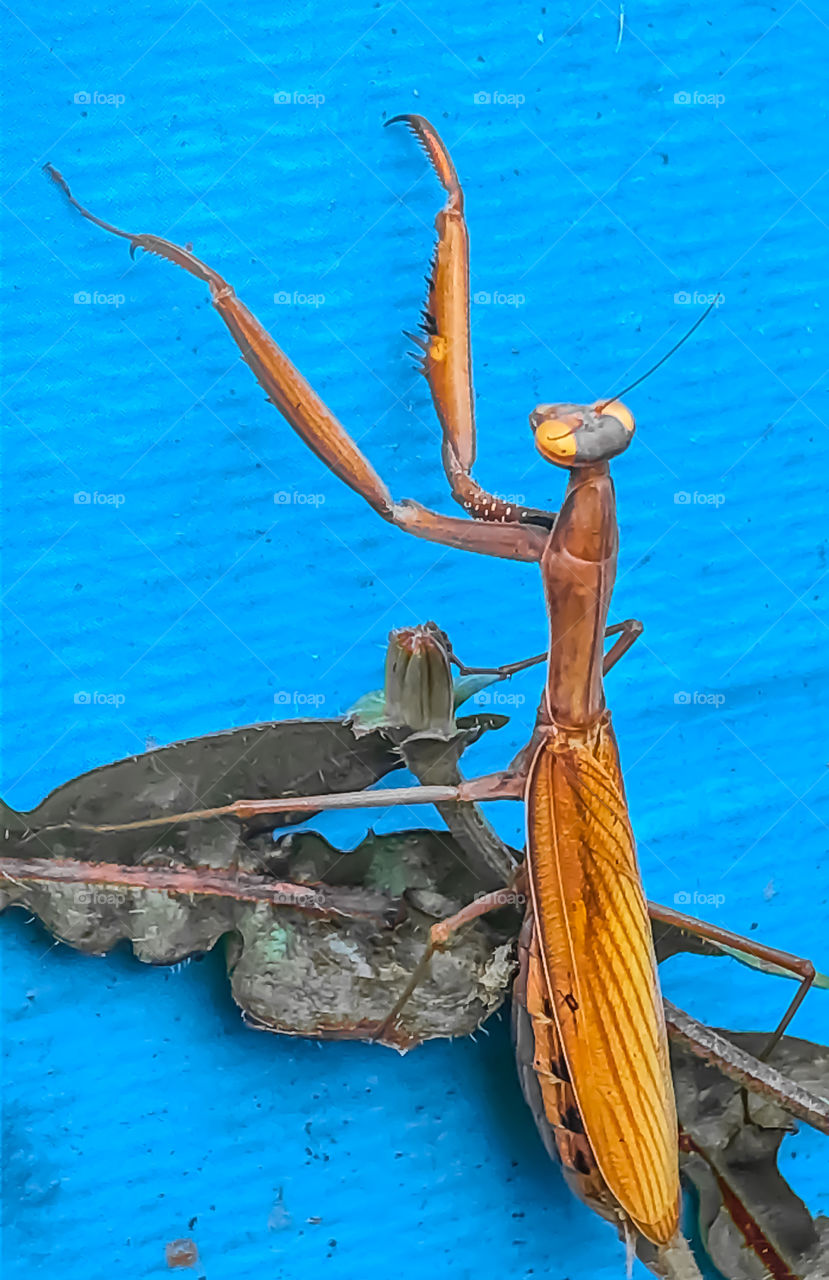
column 447, row 359
column 437, row 153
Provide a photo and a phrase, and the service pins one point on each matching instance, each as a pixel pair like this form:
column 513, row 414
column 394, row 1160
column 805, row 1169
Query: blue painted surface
column 135, row 1099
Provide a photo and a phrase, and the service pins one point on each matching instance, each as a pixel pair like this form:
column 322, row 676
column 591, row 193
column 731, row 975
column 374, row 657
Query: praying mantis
column 588, row 991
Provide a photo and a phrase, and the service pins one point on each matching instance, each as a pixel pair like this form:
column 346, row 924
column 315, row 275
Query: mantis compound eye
column 573, row 435
column 615, row 409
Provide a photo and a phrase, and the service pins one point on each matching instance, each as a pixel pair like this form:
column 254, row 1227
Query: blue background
column 135, row 1099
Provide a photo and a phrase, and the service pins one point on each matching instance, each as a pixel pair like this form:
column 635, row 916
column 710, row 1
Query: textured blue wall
column 135, row 1099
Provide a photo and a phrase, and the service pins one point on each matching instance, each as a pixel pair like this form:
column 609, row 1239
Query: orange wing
column 600, row 971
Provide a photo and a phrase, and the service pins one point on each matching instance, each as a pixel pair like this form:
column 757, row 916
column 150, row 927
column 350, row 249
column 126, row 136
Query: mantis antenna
column 609, row 399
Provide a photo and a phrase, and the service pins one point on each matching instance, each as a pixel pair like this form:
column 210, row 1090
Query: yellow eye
column 555, row 438
column 618, row 411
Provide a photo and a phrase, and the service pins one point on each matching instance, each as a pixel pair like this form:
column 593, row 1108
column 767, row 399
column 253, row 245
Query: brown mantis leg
column 440, row 935
column 628, row 632
column 631, row 629
column 804, row 969
column 506, row 785
column 444, row 351
column 746, row 1070
column 314, row 422
column 506, row 668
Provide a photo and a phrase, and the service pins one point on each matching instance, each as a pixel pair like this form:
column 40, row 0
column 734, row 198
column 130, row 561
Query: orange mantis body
column 592, row 970
column 588, row 978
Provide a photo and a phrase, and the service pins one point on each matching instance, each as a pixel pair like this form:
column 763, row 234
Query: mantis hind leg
column 745, row 950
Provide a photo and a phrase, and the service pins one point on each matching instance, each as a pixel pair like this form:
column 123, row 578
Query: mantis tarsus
column 589, row 977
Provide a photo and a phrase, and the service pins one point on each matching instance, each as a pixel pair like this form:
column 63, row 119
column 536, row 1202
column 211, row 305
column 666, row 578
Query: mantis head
column 578, row 435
